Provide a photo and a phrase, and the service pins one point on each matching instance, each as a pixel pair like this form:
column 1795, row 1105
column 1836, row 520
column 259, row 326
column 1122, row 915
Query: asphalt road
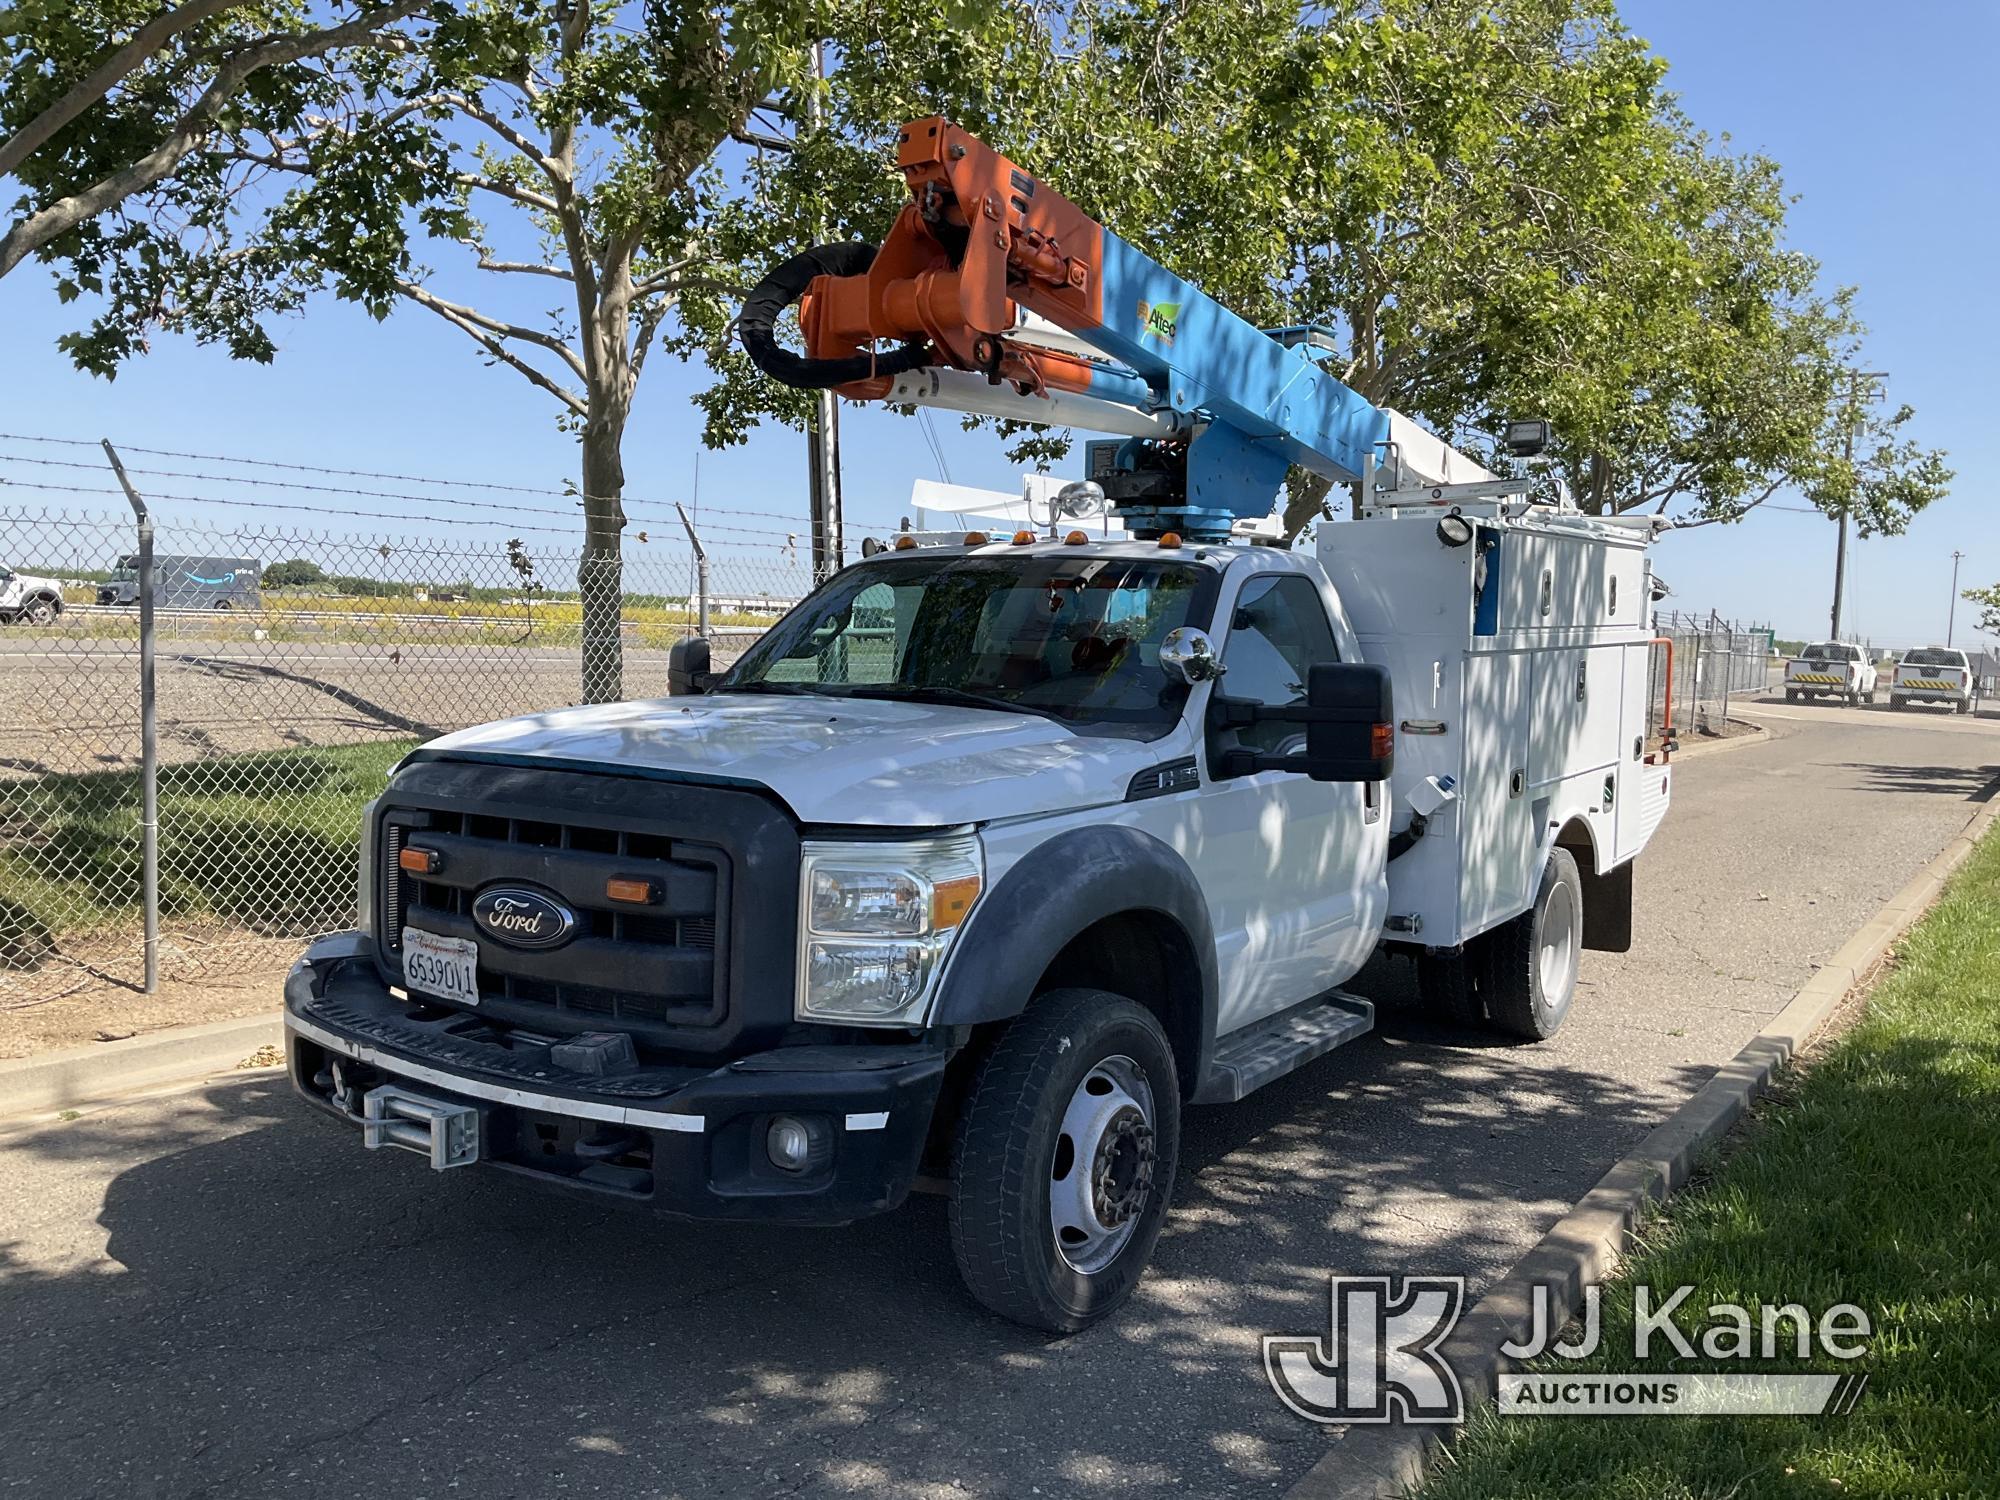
column 216, row 1294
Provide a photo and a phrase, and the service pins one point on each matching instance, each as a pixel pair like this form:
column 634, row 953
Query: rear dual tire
column 1520, row 977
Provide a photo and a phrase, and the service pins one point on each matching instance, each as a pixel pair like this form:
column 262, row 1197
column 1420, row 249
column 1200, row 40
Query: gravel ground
column 217, row 1294
column 72, row 704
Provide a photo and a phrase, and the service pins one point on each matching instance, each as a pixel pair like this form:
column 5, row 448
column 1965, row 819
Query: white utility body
column 1527, row 688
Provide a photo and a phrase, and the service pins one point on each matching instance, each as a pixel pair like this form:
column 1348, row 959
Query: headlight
column 876, row 923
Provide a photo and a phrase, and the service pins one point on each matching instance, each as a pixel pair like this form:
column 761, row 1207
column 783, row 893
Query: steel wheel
column 1102, row 1174
column 1556, row 956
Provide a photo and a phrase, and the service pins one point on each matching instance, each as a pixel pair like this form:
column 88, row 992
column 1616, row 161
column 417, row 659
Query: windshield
column 1932, row 656
column 1071, row 638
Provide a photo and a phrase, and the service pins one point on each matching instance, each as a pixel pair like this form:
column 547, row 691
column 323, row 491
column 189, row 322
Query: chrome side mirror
column 1188, row 655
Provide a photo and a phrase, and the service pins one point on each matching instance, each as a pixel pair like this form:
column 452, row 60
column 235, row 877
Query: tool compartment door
column 1496, row 831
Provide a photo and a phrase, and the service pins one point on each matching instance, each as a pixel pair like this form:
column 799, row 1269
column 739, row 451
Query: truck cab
column 27, row 598
column 1004, row 846
column 1831, row 669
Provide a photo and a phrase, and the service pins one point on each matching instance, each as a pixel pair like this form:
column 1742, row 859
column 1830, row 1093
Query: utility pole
column 823, row 437
column 1951, row 619
column 1854, row 379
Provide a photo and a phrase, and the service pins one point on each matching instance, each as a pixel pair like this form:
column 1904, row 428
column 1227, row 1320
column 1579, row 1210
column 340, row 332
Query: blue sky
column 1880, row 116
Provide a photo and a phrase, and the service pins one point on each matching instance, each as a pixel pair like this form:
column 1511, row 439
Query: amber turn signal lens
column 976, row 539
column 1170, row 539
column 1076, row 539
column 951, row 900
column 1022, row 538
column 626, row 888
column 419, row 861
column 905, row 543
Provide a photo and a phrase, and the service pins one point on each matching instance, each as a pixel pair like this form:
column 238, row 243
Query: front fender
column 1057, row 890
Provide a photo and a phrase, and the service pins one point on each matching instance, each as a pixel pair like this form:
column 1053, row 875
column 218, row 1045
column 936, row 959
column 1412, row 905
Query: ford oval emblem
column 522, row 918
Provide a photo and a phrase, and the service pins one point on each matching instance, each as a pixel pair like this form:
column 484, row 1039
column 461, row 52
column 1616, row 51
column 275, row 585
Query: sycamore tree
column 1494, row 204
column 112, row 113
column 1988, row 600
column 564, row 184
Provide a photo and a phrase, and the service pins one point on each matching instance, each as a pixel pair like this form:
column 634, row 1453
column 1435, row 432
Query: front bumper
column 687, row 1142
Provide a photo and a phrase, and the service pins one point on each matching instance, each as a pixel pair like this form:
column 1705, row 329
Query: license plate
column 442, row 966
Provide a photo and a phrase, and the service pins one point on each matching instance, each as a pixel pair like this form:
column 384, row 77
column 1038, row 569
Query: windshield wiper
column 949, row 696
column 794, row 689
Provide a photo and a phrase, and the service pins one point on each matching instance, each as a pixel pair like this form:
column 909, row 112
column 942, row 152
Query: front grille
column 625, row 964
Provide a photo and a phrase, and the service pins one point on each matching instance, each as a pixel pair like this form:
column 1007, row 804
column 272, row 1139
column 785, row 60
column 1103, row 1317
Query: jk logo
column 1380, row 1354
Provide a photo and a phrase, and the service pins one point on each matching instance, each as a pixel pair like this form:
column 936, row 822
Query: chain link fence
column 295, row 664
column 293, row 667
column 1712, row 661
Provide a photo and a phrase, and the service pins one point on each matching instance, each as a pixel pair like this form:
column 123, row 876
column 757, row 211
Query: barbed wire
column 496, row 487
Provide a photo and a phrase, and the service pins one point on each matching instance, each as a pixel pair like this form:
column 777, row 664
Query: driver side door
column 1299, row 888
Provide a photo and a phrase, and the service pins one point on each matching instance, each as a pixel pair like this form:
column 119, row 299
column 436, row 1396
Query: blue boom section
column 1268, row 405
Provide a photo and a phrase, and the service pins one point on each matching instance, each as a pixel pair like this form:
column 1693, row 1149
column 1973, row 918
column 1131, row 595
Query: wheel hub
column 1122, row 1175
column 1106, row 1155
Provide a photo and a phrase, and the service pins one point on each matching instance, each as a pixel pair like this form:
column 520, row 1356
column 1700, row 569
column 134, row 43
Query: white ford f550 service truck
column 989, row 859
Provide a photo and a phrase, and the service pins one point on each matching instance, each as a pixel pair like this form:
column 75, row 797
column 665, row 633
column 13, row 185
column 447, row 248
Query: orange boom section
column 978, row 239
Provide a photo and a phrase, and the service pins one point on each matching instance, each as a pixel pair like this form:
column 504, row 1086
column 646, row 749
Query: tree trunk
column 600, row 573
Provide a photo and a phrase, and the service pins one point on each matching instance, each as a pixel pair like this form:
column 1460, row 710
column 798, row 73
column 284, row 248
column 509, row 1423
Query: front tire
column 1533, row 960
column 41, row 612
column 1063, row 1162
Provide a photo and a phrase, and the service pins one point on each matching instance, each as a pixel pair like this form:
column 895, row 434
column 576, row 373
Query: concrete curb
column 1758, row 735
column 1381, row 1462
column 105, row 1070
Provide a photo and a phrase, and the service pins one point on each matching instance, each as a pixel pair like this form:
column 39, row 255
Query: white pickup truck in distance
column 1933, row 674
column 27, row 598
column 1831, row 669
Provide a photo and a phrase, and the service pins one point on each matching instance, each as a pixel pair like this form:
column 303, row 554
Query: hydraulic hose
column 783, row 287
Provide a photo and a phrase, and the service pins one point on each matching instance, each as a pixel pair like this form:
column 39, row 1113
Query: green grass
column 266, row 840
column 1870, row 1176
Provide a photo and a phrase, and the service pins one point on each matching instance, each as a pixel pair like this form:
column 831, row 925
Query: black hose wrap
column 783, row 287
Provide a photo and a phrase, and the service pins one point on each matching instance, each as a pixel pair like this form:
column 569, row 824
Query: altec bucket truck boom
column 1007, row 851
column 985, row 263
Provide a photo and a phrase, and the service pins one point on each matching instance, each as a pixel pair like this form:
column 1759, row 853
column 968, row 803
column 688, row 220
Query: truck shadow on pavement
column 1974, row 783
column 275, row 1308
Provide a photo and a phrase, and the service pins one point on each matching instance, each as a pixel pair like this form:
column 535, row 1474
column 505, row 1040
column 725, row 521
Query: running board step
column 1267, row 1050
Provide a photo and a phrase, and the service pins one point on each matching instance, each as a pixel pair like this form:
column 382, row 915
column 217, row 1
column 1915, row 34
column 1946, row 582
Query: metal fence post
column 700, row 573
column 149, row 736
